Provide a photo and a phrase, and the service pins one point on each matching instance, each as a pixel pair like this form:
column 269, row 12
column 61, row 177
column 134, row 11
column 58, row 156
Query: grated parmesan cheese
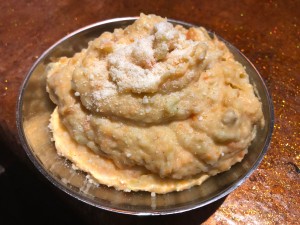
column 145, row 100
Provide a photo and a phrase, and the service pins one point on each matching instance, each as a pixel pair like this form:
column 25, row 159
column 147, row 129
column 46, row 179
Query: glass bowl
column 33, row 112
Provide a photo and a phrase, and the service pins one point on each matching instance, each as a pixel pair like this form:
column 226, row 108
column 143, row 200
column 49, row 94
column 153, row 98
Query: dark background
column 267, row 32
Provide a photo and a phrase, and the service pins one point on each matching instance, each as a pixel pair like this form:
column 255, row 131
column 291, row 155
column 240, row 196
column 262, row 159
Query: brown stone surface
column 267, row 32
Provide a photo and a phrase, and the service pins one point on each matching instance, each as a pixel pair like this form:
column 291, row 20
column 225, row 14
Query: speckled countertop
column 267, row 32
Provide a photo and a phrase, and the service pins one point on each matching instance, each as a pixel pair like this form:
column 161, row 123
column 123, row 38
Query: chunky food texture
column 153, row 107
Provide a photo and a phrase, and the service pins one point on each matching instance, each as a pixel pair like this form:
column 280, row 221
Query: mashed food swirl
column 158, row 100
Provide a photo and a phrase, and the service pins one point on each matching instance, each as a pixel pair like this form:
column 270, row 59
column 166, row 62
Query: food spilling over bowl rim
column 149, row 209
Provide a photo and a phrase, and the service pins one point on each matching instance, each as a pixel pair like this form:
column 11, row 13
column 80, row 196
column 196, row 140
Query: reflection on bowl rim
column 82, row 198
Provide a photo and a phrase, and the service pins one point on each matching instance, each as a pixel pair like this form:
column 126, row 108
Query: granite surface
column 267, row 32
